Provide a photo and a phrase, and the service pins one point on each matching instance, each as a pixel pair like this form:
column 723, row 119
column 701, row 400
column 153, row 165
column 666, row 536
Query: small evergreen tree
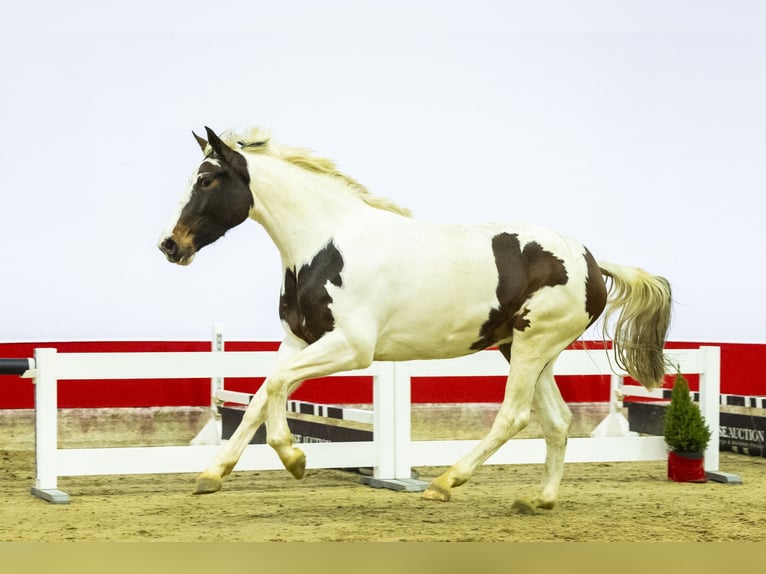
column 685, row 429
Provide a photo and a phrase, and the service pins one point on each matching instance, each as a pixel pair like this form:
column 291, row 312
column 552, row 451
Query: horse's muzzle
column 174, row 253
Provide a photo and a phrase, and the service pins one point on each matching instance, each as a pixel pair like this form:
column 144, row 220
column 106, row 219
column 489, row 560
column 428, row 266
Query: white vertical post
column 710, row 402
column 216, row 383
column 212, row 431
column 391, row 433
column 46, row 428
column 615, row 394
column 402, row 419
column 384, row 421
column 614, row 424
column 46, row 419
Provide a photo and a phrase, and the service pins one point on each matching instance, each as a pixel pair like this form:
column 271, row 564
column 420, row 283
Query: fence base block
column 399, row 484
column 52, row 495
column 724, row 477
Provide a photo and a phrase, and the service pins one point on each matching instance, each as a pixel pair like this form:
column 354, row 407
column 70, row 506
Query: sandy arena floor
column 598, row 502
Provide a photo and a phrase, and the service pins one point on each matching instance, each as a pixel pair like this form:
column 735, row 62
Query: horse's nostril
column 169, row 246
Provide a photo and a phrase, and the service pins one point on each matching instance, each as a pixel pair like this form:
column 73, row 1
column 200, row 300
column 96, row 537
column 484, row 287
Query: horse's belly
column 428, row 338
column 404, row 351
column 438, row 311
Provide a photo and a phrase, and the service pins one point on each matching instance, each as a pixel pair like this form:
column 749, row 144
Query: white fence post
column 211, row 433
column 615, row 423
column 384, row 421
column 391, row 430
column 710, row 402
column 216, row 346
column 403, row 421
column 46, row 428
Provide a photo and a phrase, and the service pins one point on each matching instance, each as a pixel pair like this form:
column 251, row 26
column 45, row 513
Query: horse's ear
column 228, row 155
column 218, row 146
column 201, row 141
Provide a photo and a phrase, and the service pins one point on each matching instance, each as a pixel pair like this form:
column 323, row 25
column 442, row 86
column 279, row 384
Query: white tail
column 641, row 305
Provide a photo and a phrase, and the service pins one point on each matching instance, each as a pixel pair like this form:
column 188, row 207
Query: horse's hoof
column 296, row 464
column 208, row 483
column 437, row 493
column 545, row 504
column 523, row 507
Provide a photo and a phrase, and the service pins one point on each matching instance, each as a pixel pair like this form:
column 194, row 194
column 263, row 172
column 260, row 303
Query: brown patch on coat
column 595, row 289
column 305, row 303
column 521, row 273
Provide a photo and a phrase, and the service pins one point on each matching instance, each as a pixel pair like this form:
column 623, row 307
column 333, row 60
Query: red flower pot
column 686, row 466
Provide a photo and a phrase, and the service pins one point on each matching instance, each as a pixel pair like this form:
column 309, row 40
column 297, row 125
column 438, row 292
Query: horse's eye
column 205, row 181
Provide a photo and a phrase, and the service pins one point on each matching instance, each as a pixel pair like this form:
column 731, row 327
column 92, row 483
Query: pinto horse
column 363, row 281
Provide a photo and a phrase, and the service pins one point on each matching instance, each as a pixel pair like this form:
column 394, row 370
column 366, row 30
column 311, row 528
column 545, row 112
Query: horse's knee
column 274, row 386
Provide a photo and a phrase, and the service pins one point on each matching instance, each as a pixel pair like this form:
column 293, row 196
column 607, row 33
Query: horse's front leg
column 211, row 479
column 330, row 354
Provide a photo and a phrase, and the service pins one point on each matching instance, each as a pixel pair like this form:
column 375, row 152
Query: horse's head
column 218, row 199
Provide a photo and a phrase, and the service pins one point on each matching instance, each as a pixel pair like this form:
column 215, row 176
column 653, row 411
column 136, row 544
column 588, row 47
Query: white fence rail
column 392, row 453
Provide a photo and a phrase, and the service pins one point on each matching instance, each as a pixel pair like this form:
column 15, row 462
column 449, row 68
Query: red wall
column 743, row 369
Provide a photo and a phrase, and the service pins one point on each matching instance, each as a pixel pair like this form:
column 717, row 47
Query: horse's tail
column 640, row 304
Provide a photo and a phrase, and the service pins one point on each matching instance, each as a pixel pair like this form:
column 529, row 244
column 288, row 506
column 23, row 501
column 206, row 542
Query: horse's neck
column 300, row 210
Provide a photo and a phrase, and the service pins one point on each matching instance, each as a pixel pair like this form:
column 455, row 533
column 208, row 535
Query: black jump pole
column 15, row 366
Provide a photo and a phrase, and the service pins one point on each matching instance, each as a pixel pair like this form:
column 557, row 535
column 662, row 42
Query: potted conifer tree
column 686, row 434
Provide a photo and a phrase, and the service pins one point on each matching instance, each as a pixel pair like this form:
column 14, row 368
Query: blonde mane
column 258, row 140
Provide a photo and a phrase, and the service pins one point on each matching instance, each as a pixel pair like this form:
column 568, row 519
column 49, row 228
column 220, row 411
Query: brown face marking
column 520, row 272
column 595, row 289
column 183, row 237
column 305, row 303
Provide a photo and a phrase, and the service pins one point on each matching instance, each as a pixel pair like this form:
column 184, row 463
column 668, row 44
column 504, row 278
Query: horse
column 364, row 281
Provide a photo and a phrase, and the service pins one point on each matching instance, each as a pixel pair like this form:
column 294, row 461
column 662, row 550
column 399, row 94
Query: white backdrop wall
column 637, row 127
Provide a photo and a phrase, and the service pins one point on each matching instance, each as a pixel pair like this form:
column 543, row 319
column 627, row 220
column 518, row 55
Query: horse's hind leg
column 555, row 419
column 513, row 416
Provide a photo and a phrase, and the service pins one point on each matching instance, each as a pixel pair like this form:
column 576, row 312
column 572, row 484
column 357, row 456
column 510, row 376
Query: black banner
column 745, row 434
column 303, row 431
